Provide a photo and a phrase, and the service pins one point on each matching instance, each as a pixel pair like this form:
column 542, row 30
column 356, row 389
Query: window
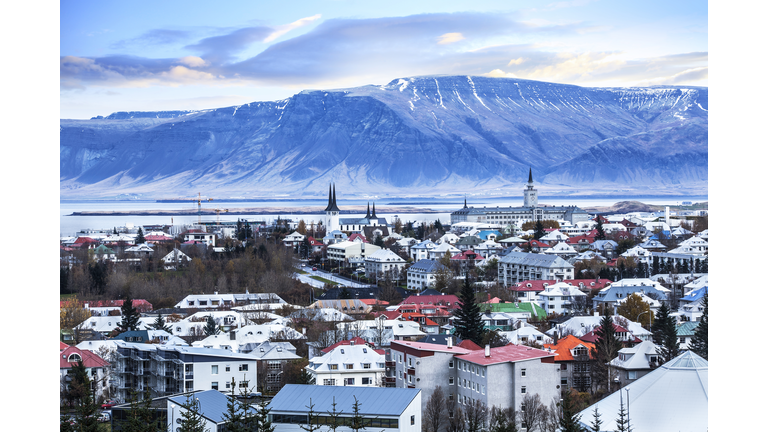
column 227, row 384
column 450, row 380
column 563, row 366
column 215, row 385
column 243, row 367
column 413, row 419
column 522, row 389
column 522, row 372
column 214, row 369
column 274, row 365
column 328, row 382
column 631, row 374
column 243, row 384
column 349, row 381
column 366, row 365
column 333, row 367
column 563, row 381
column 226, row 369
column 482, row 372
column 348, row 366
column 367, row 381
column 450, row 364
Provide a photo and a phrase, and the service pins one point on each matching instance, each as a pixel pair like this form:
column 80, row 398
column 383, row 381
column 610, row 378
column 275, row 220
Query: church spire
column 465, row 201
column 368, row 212
column 332, row 199
column 530, row 175
column 373, row 212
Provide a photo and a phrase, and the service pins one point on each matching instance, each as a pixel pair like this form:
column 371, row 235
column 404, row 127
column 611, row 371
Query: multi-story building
column 349, row 365
column 345, row 252
column 167, row 370
column 494, row 376
column 422, row 274
column 95, row 368
column 573, row 359
column 383, row 262
column 516, row 267
column 562, row 298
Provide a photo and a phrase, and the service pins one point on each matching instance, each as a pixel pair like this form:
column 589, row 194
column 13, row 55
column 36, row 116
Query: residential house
column 572, row 355
column 421, row 250
column 273, row 358
column 346, row 253
column 563, row 250
column 383, row 262
column 621, row 289
column 140, row 250
column 95, row 367
column 348, row 365
column 199, row 236
column 635, row 362
column 422, row 274
column 268, row 301
column 174, row 259
column 440, row 250
column 685, row 332
column 561, row 298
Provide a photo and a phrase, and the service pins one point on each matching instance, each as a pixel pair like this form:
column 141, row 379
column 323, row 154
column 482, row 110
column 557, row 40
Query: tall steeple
column 332, row 211
column 332, row 199
column 368, row 212
column 465, row 201
column 530, row 196
column 373, row 212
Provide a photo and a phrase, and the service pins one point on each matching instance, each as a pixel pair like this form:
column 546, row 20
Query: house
column 580, row 326
column 174, row 259
column 211, row 405
column 635, row 362
column 199, row 236
column 526, row 334
column 440, row 250
column 348, row 365
column 273, row 357
column 383, row 262
column 625, row 287
column 345, row 252
column 519, row 266
column 140, row 250
column 293, row 239
column 347, row 306
column 693, row 246
column 95, row 368
column 561, row 298
column 553, row 237
column 382, row 409
column 562, row 249
column 653, row 407
column 572, row 355
column 466, row 261
column 172, row 369
column 421, row 250
column 268, row 301
column 422, row 274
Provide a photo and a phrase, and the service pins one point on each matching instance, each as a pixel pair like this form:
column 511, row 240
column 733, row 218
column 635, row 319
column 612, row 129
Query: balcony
column 411, row 371
column 390, row 380
column 390, row 363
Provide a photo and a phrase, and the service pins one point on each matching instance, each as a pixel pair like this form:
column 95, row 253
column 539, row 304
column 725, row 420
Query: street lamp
column 173, row 407
column 637, row 320
column 627, row 389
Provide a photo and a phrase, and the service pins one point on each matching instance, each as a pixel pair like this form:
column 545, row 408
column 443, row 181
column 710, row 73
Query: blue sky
column 164, row 55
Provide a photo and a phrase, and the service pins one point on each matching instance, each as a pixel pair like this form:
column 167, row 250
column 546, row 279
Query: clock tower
column 530, row 195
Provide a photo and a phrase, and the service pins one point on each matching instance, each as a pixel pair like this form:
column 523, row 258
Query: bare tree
column 532, row 412
column 503, row 420
column 476, row 416
column 455, row 417
column 434, row 412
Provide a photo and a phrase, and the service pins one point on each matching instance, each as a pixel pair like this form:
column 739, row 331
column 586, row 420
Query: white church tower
column 331, row 212
column 530, row 195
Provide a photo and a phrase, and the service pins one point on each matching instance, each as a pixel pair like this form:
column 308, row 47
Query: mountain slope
column 420, row 135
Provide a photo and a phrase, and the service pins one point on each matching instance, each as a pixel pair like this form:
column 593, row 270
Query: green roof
column 687, row 328
column 532, row 308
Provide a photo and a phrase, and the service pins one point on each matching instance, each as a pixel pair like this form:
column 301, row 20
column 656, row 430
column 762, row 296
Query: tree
column 700, row 338
column 141, row 418
column 357, row 422
column 503, row 420
column 263, row 424
column 191, row 419
column 210, row 328
column 86, row 409
column 434, row 411
column 632, row 307
column 237, row 415
column 140, row 237
column 664, row 331
column 468, row 323
column 311, row 425
column 570, row 420
column 607, row 347
column 476, row 414
column 596, row 422
column 599, row 228
column 622, row 423
column 130, row 315
column 532, row 412
column 539, row 232
column 71, row 315
column 159, row 324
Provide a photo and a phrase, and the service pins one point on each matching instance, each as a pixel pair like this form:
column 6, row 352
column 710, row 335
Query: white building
column 347, row 251
column 521, row 266
column 348, row 365
column 560, row 297
column 382, row 261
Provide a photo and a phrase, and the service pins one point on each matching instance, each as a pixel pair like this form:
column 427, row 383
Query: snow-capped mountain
column 422, row 135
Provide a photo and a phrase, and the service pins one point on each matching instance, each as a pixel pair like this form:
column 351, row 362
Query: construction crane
column 199, row 200
column 217, row 214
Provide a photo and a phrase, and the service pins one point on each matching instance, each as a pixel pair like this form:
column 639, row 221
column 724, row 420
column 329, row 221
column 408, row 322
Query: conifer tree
column 570, row 421
column 262, row 419
column 311, row 425
column 85, row 408
column 191, row 419
column 700, row 338
column 468, row 323
column 664, row 331
column 159, row 324
column 237, row 413
column 210, row 328
column 596, row 422
column 539, row 232
column 622, row 423
column 130, row 315
column 141, row 418
column 140, row 237
column 357, row 422
column 607, row 347
column 599, row 227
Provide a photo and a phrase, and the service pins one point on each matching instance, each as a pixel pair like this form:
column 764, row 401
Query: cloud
column 283, row 29
column 221, row 49
column 449, row 38
column 153, row 37
column 193, row 61
column 498, row 73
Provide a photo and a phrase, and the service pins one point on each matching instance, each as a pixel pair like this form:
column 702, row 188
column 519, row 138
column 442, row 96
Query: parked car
column 105, row 416
column 314, row 268
column 109, row 403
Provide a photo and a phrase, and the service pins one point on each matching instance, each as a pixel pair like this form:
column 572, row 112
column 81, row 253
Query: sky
column 188, row 55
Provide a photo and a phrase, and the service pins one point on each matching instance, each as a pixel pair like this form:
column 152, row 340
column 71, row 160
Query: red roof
column 468, row 344
column 90, row 359
column 538, row 285
column 314, row 242
column 415, row 317
column 565, row 345
column 140, row 304
column 352, row 237
column 507, row 353
column 580, row 239
column 442, row 300
column 592, row 337
column 63, row 346
column 389, row 314
column 468, row 255
column 374, row 302
column 357, row 341
column 536, row 243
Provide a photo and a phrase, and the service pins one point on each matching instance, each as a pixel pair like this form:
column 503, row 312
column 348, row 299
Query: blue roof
column 615, row 293
column 374, row 401
column 213, row 404
column 696, row 294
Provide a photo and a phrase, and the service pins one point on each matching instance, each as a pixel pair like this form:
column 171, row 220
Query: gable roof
column 90, row 360
column 565, row 345
column 213, row 404
column 373, row 401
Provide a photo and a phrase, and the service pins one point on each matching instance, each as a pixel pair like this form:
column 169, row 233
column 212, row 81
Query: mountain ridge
column 444, row 134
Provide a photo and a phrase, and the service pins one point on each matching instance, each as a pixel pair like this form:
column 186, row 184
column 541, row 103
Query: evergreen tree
column 503, row 420
column 656, row 266
column 700, row 338
column 210, row 328
column 305, row 378
column 596, row 422
column 130, row 315
column 334, row 421
column 140, row 237
column 356, row 423
column 599, row 227
column 262, row 419
column 539, row 233
column 159, row 324
column 468, row 323
column 607, row 347
column 622, row 423
column 141, row 417
column 570, row 421
column 191, row 419
column 664, row 331
column 85, row 408
column 237, row 413
column 311, row 425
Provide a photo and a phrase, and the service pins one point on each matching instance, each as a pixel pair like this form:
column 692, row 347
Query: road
column 329, row 276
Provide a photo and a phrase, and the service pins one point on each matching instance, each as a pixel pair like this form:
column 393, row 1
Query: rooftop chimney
column 450, row 341
column 487, row 350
